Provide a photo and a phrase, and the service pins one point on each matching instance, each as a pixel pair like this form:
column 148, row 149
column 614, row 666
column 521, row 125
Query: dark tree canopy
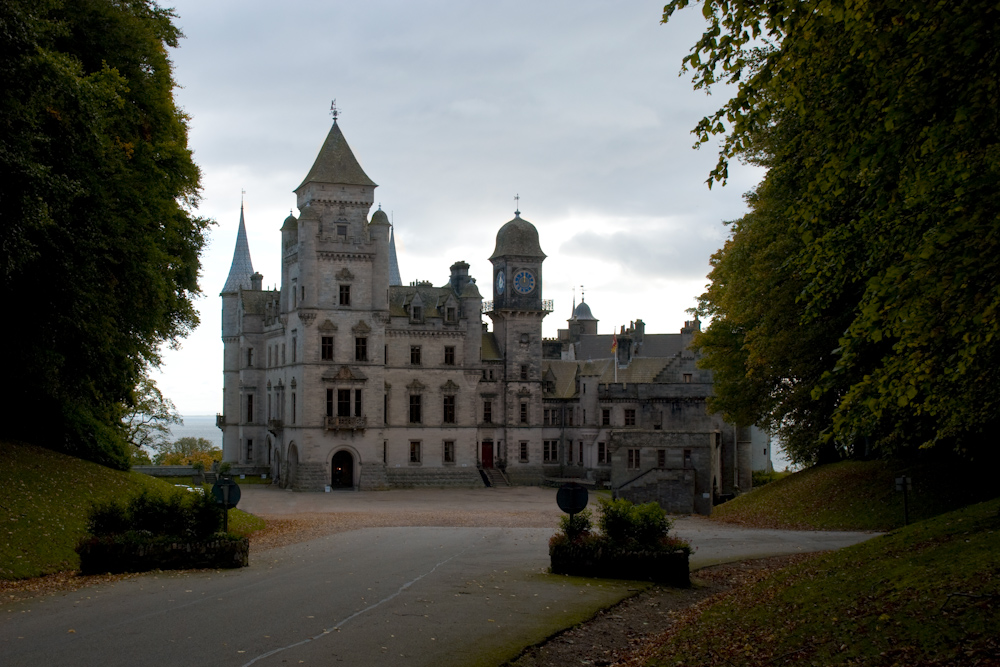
column 98, row 245
column 857, row 301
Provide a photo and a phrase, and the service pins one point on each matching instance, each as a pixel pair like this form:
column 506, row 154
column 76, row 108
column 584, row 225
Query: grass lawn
column 925, row 594
column 850, row 495
column 44, row 505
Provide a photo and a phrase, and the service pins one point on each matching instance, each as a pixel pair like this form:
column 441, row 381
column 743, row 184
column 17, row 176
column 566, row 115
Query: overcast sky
column 453, row 108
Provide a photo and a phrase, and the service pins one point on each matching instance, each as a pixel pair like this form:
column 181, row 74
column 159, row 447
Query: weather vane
column 582, row 293
column 334, row 111
column 517, row 204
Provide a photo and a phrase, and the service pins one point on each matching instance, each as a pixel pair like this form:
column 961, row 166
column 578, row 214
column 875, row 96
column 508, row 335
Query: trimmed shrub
column 576, row 525
column 623, row 523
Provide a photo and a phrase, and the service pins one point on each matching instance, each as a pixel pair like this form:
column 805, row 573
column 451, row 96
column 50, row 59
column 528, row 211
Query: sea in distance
column 197, row 426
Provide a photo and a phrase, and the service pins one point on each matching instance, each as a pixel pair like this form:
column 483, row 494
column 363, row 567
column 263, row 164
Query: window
column 249, row 408
column 584, row 420
column 249, row 449
column 342, row 230
column 546, row 417
column 524, row 413
column 633, row 459
column 326, row 348
column 293, row 407
column 687, row 378
column 449, row 409
column 416, row 313
column 569, row 416
column 343, row 402
column 602, row 453
column 449, row 356
column 414, row 355
column 345, row 295
column 361, row 349
column 524, row 371
column 295, row 294
column 329, row 402
column 450, row 314
column 303, row 294
column 415, row 409
column 385, row 410
column 250, row 357
column 570, row 452
column 629, row 417
column 414, row 451
column 661, row 458
column 687, row 458
column 282, row 353
column 357, row 402
column 523, row 456
column 295, row 347
column 487, row 412
column 550, row 451
column 580, row 454
column 605, row 417
column 269, row 403
column 449, row 451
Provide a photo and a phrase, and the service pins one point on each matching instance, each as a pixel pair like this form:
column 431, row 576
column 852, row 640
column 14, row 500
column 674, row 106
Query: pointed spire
column 336, row 163
column 242, row 268
column 394, row 277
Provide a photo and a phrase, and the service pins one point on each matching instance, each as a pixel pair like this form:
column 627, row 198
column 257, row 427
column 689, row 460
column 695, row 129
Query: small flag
column 614, row 342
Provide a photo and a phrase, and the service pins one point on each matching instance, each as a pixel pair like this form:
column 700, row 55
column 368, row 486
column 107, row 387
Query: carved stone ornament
column 415, row 387
column 450, row 387
column 361, row 328
column 307, row 318
column 327, row 326
column 524, row 391
column 381, row 317
column 345, row 274
column 344, row 374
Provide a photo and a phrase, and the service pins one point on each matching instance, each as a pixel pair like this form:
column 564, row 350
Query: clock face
column 500, row 283
column 524, row 281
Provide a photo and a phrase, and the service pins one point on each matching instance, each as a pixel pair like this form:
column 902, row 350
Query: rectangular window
column 661, row 458
column 487, row 412
column 414, row 355
column 449, row 356
column 415, row 409
column 569, row 416
column 633, row 459
column 449, row 409
column 385, row 355
column 342, row 230
column 546, row 417
column 687, row 458
column 282, row 353
column 583, row 421
column 523, row 457
column 416, row 313
column 295, row 347
column 343, row 402
column 580, row 454
column 449, row 451
column 524, row 413
column 326, row 348
column 268, row 356
column 629, row 417
column 357, row 402
column 450, row 314
column 687, row 378
column 361, row 349
column 249, row 449
column 329, row 403
column 602, row 453
column 605, row 417
column 524, row 371
column 249, row 408
column 293, row 407
column 250, row 357
column 385, row 410
column 570, row 452
column 550, row 451
column 345, row 295
column 414, row 451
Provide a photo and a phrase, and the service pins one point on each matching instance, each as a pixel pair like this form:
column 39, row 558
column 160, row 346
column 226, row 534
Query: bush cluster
column 177, row 515
column 625, row 528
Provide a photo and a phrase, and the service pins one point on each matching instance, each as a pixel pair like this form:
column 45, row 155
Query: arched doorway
column 342, row 470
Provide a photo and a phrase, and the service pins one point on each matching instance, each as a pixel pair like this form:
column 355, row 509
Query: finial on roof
column 517, row 205
column 583, row 294
column 334, row 111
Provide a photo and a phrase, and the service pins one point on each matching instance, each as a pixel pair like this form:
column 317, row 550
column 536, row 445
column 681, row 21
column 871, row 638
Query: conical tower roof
column 242, row 268
column 394, row 277
column 336, row 163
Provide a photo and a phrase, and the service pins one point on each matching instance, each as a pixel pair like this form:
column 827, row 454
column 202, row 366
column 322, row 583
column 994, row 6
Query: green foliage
column 147, row 420
column 187, row 451
column 576, row 525
column 923, row 595
column 47, row 496
column 98, row 241
column 761, row 477
column 624, row 523
column 856, row 305
column 178, row 514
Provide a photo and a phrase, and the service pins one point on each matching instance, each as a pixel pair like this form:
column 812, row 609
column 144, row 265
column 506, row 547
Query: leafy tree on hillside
column 186, row 451
column 147, row 421
column 100, row 249
column 856, row 304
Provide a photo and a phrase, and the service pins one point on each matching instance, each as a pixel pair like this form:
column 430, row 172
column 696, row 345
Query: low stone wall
column 404, row 478
column 310, row 477
column 373, row 477
column 522, row 475
column 122, row 553
column 672, row 488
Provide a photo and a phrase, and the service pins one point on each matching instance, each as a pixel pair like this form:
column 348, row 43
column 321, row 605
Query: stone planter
column 662, row 567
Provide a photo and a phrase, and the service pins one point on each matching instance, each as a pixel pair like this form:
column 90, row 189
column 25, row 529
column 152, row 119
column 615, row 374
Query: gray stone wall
column 404, row 478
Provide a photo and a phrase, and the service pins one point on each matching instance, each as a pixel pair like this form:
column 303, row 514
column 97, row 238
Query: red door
column 487, row 454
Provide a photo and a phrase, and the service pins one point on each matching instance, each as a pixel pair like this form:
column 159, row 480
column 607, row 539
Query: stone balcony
column 220, row 421
column 346, row 423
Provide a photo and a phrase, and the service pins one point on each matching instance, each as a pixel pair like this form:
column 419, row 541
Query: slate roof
column 564, row 373
column 639, row 370
column 582, row 312
column 336, row 163
column 598, row 346
column 242, row 267
column 433, row 299
column 394, row 277
column 518, row 237
column 490, row 348
column 254, row 302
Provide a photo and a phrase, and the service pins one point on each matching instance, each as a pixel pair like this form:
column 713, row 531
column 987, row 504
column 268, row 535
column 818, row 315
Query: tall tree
column 99, row 244
column 879, row 125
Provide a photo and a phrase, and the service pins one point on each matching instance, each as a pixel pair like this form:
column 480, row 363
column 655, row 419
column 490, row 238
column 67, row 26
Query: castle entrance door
column 342, row 473
column 487, row 453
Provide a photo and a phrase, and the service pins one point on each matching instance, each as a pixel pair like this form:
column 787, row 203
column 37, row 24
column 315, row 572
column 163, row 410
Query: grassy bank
column 46, row 497
column 926, row 594
column 851, row 495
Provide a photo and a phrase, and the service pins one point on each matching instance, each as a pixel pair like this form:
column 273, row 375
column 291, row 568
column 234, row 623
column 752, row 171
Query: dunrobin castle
column 347, row 378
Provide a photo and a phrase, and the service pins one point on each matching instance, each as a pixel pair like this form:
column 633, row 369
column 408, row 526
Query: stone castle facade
column 344, row 377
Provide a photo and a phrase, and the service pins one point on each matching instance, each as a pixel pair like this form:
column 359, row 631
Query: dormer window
column 450, row 314
column 342, row 231
column 416, row 313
